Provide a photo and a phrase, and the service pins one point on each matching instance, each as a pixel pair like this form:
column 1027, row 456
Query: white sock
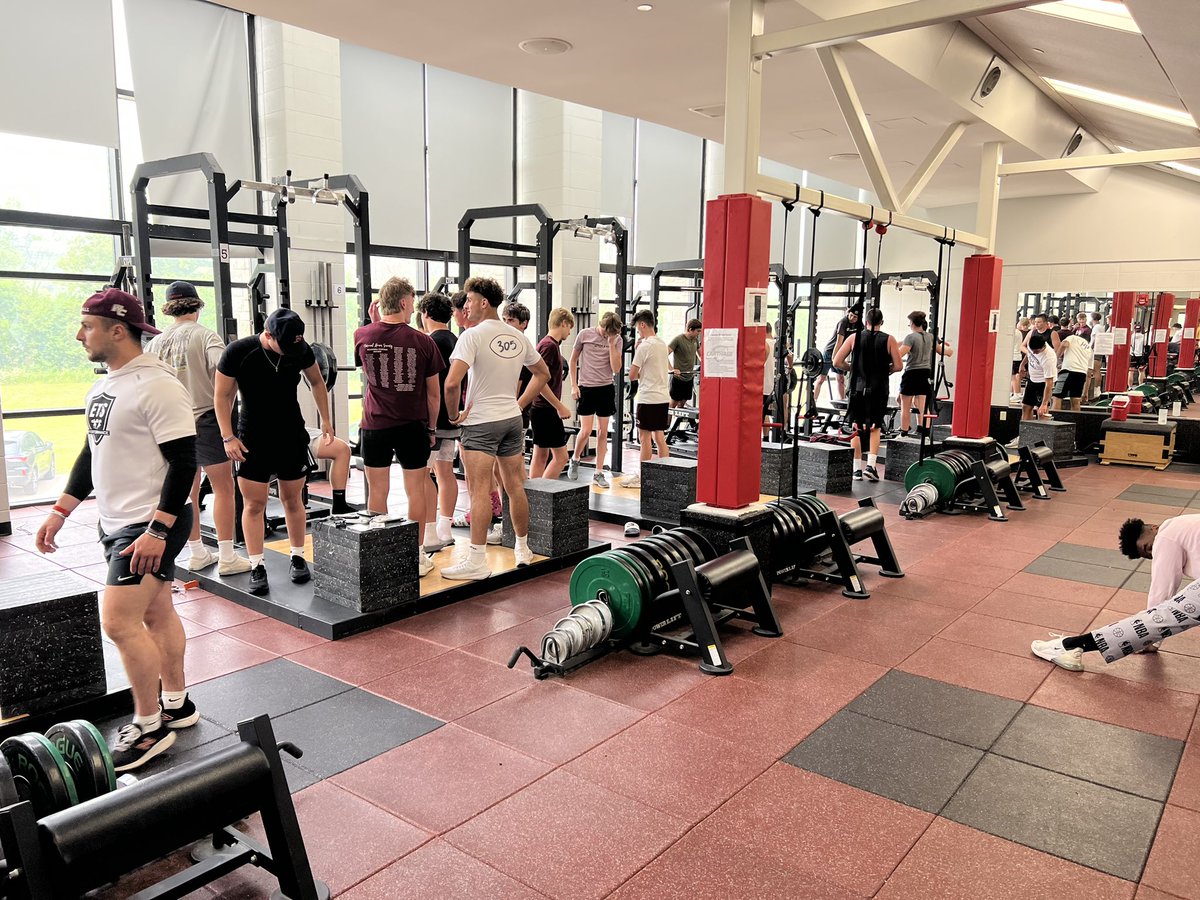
column 226, row 551
column 522, row 542
column 478, row 555
column 443, row 528
column 430, row 534
column 173, row 699
column 256, row 559
column 148, row 723
column 298, row 551
column 858, row 464
column 872, row 458
column 197, row 547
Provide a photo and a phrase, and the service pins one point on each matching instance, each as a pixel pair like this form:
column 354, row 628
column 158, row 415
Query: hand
column 45, row 535
column 146, row 553
column 674, row 371
column 575, row 391
column 327, row 435
column 433, row 441
column 1043, row 410
column 373, row 311
column 460, row 417
column 236, row 450
column 563, row 411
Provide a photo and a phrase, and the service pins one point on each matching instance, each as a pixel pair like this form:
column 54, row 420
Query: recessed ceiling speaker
column 1074, row 142
column 545, row 46
column 989, row 80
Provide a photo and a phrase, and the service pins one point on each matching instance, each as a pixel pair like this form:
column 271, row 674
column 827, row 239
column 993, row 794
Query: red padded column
column 1117, row 377
column 1160, row 334
column 737, row 248
column 1187, row 343
column 975, row 355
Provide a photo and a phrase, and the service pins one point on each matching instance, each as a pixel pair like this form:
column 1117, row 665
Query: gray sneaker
column 573, row 469
column 599, row 480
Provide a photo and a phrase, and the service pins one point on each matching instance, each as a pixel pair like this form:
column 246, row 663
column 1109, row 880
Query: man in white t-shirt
column 140, row 458
column 650, row 371
column 1040, row 360
column 493, row 352
column 1075, row 357
column 1092, row 387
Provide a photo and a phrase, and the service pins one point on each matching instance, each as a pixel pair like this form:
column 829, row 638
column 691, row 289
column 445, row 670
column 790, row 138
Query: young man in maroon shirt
column 547, row 412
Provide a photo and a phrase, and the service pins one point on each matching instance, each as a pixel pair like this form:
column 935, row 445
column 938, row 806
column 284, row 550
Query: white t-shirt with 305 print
column 129, row 413
column 495, row 353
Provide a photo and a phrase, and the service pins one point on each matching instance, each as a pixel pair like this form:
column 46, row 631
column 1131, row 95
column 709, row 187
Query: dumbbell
column 69, row 764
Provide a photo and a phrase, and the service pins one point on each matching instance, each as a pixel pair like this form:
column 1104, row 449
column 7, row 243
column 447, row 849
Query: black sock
column 1084, row 642
column 339, row 502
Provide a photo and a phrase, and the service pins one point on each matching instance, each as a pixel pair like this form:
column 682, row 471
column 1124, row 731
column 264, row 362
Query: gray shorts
column 210, row 449
column 499, row 439
column 447, row 444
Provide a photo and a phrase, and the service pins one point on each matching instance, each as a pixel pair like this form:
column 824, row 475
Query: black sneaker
column 858, row 474
column 299, row 570
column 135, row 747
column 871, row 474
column 258, row 580
column 182, row 716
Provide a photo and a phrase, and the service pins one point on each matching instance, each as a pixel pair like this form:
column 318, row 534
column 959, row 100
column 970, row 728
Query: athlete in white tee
column 494, row 353
column 650, row 372
column 140, row 458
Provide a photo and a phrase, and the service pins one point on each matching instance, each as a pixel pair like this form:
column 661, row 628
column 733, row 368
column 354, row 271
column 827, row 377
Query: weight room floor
column 815, row 770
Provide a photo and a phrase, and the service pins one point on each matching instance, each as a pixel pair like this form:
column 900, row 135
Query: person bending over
column 140, row 458
column 595, row 359
column 1042, row 368
column 435, row 310
column 916, row 384
column 493, row 353
column 684, row 348
column 401, row 402
column 876, row 356
column 193, row 351
column 548, row 411
column 271, row 438
column 649, row 375
column 1174, row 547
column 850, row 325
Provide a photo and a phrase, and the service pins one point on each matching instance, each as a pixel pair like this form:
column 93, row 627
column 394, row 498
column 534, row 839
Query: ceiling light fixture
column 845, row 157
column 1177, row 166
column 1037, row 49
column 545, row 46
column 1105, row 13
column 644, row 7
column 1129, row 104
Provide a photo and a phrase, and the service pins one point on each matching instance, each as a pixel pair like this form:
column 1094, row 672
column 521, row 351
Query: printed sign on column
column 756, row 306
column 720, row 352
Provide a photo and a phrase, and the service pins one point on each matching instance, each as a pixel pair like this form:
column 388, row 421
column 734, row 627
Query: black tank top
column 872, row 361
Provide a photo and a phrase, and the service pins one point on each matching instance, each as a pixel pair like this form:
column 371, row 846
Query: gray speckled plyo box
column 1059, row 436
column 365, row 568
column 826, row 468
column 902, row 452
column 558, row 517
column 50, row 647
column 668, row 485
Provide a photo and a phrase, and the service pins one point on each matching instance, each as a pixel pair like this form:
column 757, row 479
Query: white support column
column 989, row 194
column 932, row 162
column 743, row 96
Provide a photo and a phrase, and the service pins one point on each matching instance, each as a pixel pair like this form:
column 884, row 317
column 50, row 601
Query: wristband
column 158, row 529
column 59, row 511
column 156, row 535
column 232, row 437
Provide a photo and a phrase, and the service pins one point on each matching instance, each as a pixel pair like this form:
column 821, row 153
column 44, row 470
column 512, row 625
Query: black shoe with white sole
column 135, row 747
column 181, row 717
column 258, row 580
column 298, row 570
column 870, row 473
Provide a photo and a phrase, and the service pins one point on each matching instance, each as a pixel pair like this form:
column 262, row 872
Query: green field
column 65, row 432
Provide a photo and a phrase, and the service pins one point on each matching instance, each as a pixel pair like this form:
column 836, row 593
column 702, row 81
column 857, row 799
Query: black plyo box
column 366, row 568
column 668, row 486
column 558, row 517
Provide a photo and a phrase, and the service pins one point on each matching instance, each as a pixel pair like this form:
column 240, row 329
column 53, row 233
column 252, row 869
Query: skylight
column 1129, row 104
column 1105, row 13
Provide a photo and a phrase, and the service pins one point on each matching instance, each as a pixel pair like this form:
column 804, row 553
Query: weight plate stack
column 8, row 786
column 37, row 764
column 604, row 575
column 619, row 626
column 707, row 550
column 86, row 753
column 659, row 577
column 932, row 471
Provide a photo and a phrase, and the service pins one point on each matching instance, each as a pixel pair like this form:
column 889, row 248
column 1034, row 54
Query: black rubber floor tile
column 1087, row 573
column 275, row 688
column 1121, row 758
column 1091, row 555
column 1176, row 496
column 904, row 765
column 936, row 708
column 298, row 777
column 350, row 728
column 1082, row 822
column 203, row 732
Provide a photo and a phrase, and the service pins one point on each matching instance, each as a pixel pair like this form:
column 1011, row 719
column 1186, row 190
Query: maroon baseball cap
column 112, row 303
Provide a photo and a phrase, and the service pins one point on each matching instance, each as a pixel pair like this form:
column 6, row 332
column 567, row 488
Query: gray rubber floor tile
column 1121, row 758
column 1092, row 555
column 1138, row 581
column 275, row 688
column 348, row 729
column 1177, row 496
column 1082, row 822
column 1086, row 573
column 904, row 765
column 936, row 708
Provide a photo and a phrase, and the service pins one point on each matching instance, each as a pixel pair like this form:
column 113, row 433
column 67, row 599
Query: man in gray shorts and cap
column 492, row 431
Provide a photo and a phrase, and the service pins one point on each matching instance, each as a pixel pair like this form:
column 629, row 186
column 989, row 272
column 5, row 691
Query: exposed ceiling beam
column 874, row 23
column 928, row 168
column 1136, row 158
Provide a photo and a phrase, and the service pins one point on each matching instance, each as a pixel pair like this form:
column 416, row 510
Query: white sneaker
column 202, row 560
column 437, row 546
column 235, row 566
column 599, row 480
column 1014, row 444
column 424, row 565
column 467, row 571
column 1071, row 660
column 631, row 481
column 1015, row 399
column 573, row 469
column 495, row 534
column 524, row 555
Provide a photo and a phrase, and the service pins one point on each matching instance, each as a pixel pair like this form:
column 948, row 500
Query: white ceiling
column 657, row 65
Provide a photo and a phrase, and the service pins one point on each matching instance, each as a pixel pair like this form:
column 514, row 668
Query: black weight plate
column 706, row 547
column 34, row 759
column 664, row 554
column 803, row 514
column 639, row 570
column 675, row 544
column 658, row 576
column 86, row 754
column 8, row 787
column 327, row 362
column 691, row 549
column 671, row 549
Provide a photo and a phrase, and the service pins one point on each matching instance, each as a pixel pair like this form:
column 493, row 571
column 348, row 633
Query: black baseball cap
column 288, row 330
column 178, row 290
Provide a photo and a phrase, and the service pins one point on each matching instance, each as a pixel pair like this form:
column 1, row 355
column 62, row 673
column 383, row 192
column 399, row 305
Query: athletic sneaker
column 1071, row 660
column 524, row 556
column 463, row 521
column 858, row 474
column 599, row 480
column 1014, row 444
column 258, row 580
column 298, row 570
column 201, row 560
column 631, row 481
column 181, row 717
column 424, row 565
column 466, row 571
column 235, row 566
column 135, row 747
column 870, row 473
column 437, row 546
column 573, row 469
column 495, row 534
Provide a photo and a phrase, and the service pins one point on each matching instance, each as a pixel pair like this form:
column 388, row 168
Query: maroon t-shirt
column 548, row 347
column 396, row 359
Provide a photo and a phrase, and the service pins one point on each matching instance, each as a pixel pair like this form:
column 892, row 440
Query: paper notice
column 1120, row 336
column 1160, row 335
column 1189, row 333
column 720, row 352
column 1104, row 344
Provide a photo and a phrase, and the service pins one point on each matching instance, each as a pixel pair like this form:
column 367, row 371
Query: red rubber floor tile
column 1128, row 602
column 193, row 629
column 981, row 670
column 439, row 870
column 1092, row 537
column 938, row 590
column 988, row 633
column 214, row 654
column 643, row 682
column 795, row 606
column 275, row 636
column 789, row 833
column 952, row 861
column 29, row 564
column 1149, row 893
column 449, row 686
column 809, row 673
column 671, row 767
column 1118, row 701
column 1173, row 667
column 499, row 647
column 1186, row 790
column 550, row 721
column 216, row 612
column 1173, row 865
column 459, row 623
column 984, row 575
column 884, row 630
column 1093, row 595
column 443, row 778
column 568, row 838
column 367, row 657
column 1049, row 613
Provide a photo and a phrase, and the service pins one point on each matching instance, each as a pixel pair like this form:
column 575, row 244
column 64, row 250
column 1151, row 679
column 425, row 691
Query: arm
column 634, row 372
column 945, row 348
column 453, row 391
column 146, row 552
column 615, row 346
column 548, row 395
column 541, row 375
column 321, row 398
column 1165, row 572
column 79, row 485
column 224, row 393
column 893, row 348
column 433, row 403
column 575, row 351
column 904, row 348
column 844, row 349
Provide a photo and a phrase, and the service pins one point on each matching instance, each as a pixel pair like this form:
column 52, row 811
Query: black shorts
column 408, row 443
column 1073, row 386
column 1016, row 366
column 768, row 399
column 681, row 388
column 1138, row 362
column 284, row 457
column 210, row 449
column 597, row 401
column 1033, row 393
column 829, row 368
column 548, row 430
column 868, row 409
column 118, row 565
column 916, row 383
column 652, row 416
